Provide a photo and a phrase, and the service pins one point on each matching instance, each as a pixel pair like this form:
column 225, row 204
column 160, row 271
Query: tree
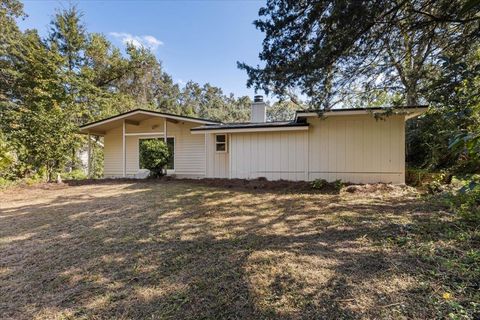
column 282, row 111
column 332, row 49
column 10, row 38
column 68, row 35
column 448, row 135
column 6, row 156
column 48, row 87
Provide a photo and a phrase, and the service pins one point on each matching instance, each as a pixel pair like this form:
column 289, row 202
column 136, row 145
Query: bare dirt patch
column 201, row 249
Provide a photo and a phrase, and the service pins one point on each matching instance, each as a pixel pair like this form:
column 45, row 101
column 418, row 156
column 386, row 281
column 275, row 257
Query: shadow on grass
column 129, row 249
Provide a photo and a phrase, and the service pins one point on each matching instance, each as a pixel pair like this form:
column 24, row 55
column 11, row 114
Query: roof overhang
column 408, row 111
column 239, row 129
column 135, row 116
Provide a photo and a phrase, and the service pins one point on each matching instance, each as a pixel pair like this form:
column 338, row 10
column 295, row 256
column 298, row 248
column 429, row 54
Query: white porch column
column 89, row 156
column 124, row 153
column 165, row 130
column 165, row 137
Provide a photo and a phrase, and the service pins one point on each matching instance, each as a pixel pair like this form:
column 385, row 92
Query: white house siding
column 357, row 149
column 189, row 152
column 189, row 149
column 273, row 155
column 112, row 153
column 217, row 162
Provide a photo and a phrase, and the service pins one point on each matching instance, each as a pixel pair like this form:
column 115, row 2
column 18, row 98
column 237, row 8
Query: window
column 221, row 143
column 171, row 149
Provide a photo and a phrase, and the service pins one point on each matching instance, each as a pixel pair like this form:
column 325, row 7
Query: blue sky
column 195, row 40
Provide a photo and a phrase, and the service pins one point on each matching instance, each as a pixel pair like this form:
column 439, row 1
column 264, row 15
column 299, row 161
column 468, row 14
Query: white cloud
column 146, row 41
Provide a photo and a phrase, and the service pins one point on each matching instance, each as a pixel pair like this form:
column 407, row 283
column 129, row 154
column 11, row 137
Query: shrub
column 322, row 184
column 76, row 174
column 338, row 184
column 421, row 177
column 319, row 184
column 466, row 202
column 153, row 156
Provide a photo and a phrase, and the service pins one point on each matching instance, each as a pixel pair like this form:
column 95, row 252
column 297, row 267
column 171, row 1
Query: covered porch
column 123, row 134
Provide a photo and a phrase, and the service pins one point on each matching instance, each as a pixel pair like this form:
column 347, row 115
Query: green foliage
column 338, row 184
column 322, row 184
column 283, row 110
column 154, row 156
column 333, row 49
column 319, row 184
column 447, row 137
column 466, row 201
column 48, row 87
column 76, row 174
column 6, row 156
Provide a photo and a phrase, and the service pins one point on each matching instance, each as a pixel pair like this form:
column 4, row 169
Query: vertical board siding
column 217, row 162
column 273, row 155
column 357, row 149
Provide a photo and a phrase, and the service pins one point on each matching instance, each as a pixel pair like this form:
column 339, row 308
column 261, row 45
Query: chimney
column 259, row 110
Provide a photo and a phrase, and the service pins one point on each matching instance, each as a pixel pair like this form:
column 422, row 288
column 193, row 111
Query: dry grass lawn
column 182, row 250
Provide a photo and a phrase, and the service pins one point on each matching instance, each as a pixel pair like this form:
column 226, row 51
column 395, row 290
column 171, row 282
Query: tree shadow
column 181, row 250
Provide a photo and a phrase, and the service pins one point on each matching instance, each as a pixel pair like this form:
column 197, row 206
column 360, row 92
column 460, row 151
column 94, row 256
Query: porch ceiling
column 101, row 128
column 135, row 117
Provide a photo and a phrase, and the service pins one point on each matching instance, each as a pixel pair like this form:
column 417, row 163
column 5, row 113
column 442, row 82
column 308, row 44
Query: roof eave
column 409, row 112
column 148, row 112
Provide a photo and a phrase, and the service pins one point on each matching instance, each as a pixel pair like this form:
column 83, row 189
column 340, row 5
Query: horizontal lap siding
column 113, row 153
column 357, row 149
column 273, row 155
column 189, row 151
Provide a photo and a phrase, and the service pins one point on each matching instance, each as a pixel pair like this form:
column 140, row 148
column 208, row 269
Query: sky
column 195, row 40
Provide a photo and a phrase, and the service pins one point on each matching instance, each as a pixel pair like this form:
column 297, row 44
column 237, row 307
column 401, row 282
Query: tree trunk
column 411, row 95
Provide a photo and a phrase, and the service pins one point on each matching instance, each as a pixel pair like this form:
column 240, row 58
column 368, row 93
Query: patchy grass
column 175, row 249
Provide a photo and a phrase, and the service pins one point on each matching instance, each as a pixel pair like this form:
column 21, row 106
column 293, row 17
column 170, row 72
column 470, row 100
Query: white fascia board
column 410, row 113
column 144, row 134
column 299, row 128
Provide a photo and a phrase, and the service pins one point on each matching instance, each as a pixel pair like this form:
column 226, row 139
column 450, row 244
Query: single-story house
column 348, row 144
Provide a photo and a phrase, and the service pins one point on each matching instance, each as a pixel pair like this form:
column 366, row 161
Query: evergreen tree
column 331, row 49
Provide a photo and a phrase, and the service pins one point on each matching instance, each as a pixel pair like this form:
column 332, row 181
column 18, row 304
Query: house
column 348, row 144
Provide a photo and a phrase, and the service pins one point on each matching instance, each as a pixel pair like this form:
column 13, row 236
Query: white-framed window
column 171, row 148
column 221, row 143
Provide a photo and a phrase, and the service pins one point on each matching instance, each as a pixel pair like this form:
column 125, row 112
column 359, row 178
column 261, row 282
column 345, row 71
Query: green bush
column 319, row 184
column 466, row 202
column 76, row 174
column 338, row 184
column 417, row 177
column 153, row 156
column 322, row 184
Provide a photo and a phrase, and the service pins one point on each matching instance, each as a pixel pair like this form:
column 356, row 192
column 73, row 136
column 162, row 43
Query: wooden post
column 165, row 137
column 124, row 154
column 89, row 156
column 165, row 130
